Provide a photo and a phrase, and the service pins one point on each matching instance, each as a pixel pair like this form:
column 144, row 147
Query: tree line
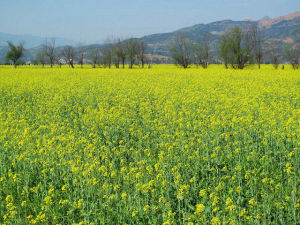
column 237, row 48
column 117, row 53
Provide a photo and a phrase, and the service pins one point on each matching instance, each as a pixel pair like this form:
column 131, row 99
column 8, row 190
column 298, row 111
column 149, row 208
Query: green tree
column 235, row 48
column 15, row 53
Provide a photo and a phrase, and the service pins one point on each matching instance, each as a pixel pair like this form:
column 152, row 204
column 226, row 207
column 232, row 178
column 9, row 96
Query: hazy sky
column 93, row 20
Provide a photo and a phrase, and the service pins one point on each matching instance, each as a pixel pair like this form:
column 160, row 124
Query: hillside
column 31, row 41
column 285, row 29
column 159, row 43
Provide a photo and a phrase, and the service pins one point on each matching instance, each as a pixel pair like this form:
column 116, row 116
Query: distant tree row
column 131, row 52
column 237, row 48
column 184, row 52
column 114, row 53
column 118, row 53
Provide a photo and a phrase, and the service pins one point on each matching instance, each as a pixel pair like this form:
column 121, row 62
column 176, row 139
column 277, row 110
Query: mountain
column 281, row 30
column 284, row 29
column 268, row 22
column 265, row 18
column 159, row 43
column 31, row 41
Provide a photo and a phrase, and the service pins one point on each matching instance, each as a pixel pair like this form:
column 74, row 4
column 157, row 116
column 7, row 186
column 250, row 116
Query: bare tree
column 69, row 54
column 81, row 54
column 40, row 58
column 202, row 52
column 121, row 51
column 108, row 52
column 115, row 55
column 181, row 50
column 107, row 55
column 205, row 43
column 274, row 56
column 292, row 54
column 94, row 53
column 256, row 42
column 142, row 46
column 131, row 51
column 49, row 48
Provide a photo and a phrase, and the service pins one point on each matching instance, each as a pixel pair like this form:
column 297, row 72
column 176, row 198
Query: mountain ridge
column 31, row 41
column 283, row 29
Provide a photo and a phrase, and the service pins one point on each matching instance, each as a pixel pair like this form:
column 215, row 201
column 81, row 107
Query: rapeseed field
column 149, row 146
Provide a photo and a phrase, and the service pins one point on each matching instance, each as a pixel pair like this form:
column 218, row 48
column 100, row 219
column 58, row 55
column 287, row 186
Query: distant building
column 62, row 61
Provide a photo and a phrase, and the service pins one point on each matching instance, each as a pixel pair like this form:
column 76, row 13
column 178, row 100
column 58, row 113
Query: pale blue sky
column 94, row 20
